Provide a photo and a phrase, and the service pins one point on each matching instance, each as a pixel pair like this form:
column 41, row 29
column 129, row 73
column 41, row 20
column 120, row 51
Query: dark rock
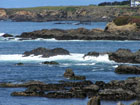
column 96, row 54
column 91, row 90
column 117, row 94
column 26, row 84
column 69, row 73
column 50, row 63
column 78, row 77
column 66, row 95
column 122, row 55
column 19, row 64
column 47, row 52
column 126, row 69
column 7, row 35
column 94, row 101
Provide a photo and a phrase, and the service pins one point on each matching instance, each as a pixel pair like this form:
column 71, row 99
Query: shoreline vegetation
column 68, row 13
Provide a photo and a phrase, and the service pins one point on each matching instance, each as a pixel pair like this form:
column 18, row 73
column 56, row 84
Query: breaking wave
column 73, row 58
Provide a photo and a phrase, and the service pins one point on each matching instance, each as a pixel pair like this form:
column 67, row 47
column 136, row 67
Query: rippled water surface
column 94, row 68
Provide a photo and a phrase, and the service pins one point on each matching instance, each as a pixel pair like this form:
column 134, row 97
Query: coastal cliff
column 75, row 13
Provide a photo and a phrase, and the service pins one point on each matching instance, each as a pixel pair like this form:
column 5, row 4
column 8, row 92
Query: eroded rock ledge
column 115, row 90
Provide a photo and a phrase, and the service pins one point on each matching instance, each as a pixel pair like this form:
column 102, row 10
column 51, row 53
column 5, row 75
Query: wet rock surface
column 7, row 35
column 47, row 52
column 125, row 56
column 82, row 34
column 114, row 90
column 120, row 56
column 94, row 101
column 126, row 69
column 70, row 74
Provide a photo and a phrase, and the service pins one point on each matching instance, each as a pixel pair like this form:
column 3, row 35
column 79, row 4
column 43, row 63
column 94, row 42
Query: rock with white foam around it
column 47, row 52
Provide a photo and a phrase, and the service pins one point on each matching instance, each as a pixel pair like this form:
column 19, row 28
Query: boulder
column 117, row 94
column 70, row 74
column 50, row 63
column 47, row 52
column 96, row 54
column 126, row 69
column 91, row 90
column 7, row 35
column 94, row 101
column 122, row 55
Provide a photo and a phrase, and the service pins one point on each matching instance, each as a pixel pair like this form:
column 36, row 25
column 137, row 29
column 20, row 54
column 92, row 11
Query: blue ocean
column 94, row 68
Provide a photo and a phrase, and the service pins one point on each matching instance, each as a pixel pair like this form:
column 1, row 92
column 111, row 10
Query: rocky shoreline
column 111, row 32
column 71, row 13
column 79, row 87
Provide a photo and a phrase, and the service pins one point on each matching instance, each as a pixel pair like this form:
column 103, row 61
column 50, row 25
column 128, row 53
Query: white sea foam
column 73, row 57
column 100, row 58
column 115, row 66
column 1, row 34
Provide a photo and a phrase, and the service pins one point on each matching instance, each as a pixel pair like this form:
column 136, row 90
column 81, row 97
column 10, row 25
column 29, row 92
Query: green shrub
column 123, row 20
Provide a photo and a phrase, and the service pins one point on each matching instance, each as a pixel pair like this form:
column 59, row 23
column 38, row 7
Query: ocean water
column 94, row 68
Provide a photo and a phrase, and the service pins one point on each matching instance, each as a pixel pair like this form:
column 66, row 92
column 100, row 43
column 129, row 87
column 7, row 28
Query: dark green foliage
column 127, row 2
column 123, row 20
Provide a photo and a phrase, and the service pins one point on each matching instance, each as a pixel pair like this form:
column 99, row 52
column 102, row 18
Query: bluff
column 77, row 13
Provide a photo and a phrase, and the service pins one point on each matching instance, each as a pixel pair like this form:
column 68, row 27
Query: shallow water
column 94, row 68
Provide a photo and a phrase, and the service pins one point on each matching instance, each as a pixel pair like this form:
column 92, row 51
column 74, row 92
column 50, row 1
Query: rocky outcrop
column 46, row 52
column 94, row 101
column 7, row 35
column 126, row 69
column 114, row 90
column 113, row 28
column 64, row 90
column 50, row 63
column 70, row 74
column 3, row 14
column 120, row 56
column 81, row 34
column 117, row 94
column 125, row 56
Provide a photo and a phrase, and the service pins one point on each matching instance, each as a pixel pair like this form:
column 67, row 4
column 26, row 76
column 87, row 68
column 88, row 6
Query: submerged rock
column 126, row 69
column 19, row 64
column 47, row 52
column 50, row 63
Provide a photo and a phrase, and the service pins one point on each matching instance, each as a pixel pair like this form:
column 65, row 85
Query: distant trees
column 126, row 2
